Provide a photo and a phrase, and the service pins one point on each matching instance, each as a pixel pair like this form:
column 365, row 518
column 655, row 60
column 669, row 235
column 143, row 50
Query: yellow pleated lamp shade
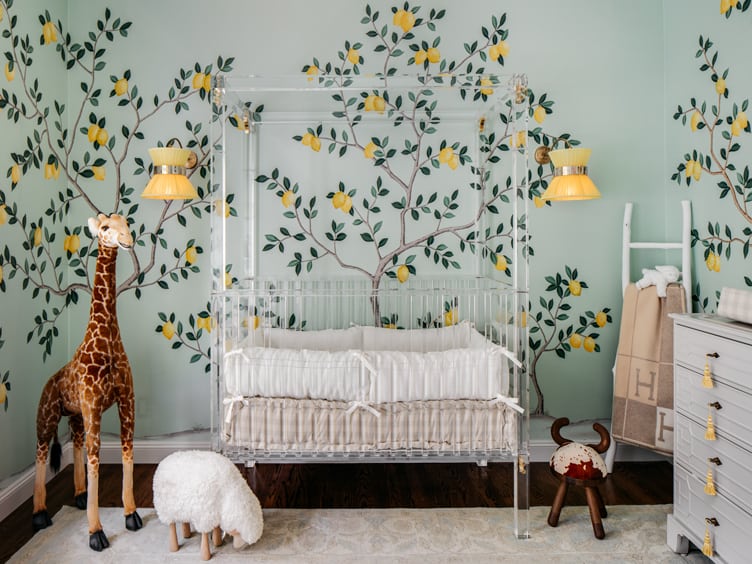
column 570, row 181
column 169, row 181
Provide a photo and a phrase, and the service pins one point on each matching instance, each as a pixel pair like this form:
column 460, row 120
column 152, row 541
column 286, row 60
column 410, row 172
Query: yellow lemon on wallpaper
column 92, row 132
column 316, row 144
column 389, row 326
column 121, row 86
column 523, row 319
column 446, row 154
column 168, row 330
column 696, row 170
column 539, row 114
column 501, row 263
column 191, row 255
column 368, row 104
column 434, row 55
column 288, row 198
column 575, row 341
column 347, row 204
column 338, row 199
column 221, row 208
column 312, row 71
column 99, row 172
column 198, row 80
column 741, row 117
column 252, row 322
column 3, row 391
column 379, row 104
column 575, row 288
column 519, row 140
column 694, row 120
column 689, row 168
column 1, row 273
column 588, row 344
column 501, row 49
column 493, row 52
column 228, row 280
column 403, row 273
column 49, row 33
column 10, row 73
column 486, row 82
column 102, row 136
column 713, row 262
column 37, row 236
column 353, row 56
column 204, row 323
column 369, row 150
column 454, row 162
column 206, row 85
column 736, row 128
column 450, row 317
column 71, row 243
column 51, row 171
column 3, row 215
column 420, row 57
column 15, row 174
column 307, row 138
column 726, row 5
column 720, row 85
column 404, row 19
column 538, row 201
column 601, row 319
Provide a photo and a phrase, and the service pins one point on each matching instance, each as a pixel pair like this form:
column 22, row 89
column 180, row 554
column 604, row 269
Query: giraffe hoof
column 81, row 500
column 133, row 522
column 98, row 541
column 40, row 520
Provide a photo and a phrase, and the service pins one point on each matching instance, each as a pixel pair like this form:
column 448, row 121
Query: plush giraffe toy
column 98, row 376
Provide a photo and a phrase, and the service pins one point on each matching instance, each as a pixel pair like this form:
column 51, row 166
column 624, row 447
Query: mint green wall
column 615, row 71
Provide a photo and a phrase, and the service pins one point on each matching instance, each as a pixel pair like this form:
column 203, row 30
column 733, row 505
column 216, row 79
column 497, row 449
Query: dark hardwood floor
column 366, row 485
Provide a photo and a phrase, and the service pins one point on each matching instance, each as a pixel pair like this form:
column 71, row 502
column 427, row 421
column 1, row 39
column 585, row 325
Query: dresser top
column 721, row 326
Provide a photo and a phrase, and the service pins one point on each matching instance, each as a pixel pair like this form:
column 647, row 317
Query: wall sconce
column 168, row 181
column 570, row 181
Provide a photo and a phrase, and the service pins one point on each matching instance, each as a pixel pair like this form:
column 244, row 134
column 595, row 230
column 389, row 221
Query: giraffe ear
column 94, row 226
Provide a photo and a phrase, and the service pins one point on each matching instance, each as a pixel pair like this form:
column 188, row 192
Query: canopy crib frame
column 344, row 334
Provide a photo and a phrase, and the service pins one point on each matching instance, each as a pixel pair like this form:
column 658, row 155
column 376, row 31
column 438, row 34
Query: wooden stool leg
column 601, row 505
column 173, row 538
column 595, row 512
column 186, row 530
column 205, row 550
column 561, row 494
column 217, row 536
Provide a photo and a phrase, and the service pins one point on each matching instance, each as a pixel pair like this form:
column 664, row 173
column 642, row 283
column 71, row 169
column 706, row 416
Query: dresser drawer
column 730, row 538
column 733, row 421
column 732, row 365
column 731, row 477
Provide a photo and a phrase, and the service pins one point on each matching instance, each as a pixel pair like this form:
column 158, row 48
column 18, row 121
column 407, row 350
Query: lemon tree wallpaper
column 88, row 86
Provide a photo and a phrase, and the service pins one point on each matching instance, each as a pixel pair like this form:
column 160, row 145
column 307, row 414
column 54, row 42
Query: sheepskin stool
column 204, row 489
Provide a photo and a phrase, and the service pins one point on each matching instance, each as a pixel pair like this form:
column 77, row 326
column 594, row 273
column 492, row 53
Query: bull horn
column 555, row 427
column 602, row 446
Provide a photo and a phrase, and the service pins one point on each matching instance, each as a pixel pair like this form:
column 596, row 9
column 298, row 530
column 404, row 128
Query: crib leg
column 205, row 550
column 186, row 530
column 217, row 536
column 173, row 538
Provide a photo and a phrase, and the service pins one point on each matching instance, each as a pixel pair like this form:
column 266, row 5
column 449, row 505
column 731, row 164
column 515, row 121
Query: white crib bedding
column 385, row 368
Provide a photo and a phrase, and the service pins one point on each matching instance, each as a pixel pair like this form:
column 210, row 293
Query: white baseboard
column 152, row 451
column 145, row 451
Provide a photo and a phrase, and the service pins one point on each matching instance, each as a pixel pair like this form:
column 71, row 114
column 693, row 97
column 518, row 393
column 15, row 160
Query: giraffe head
column 112, row 230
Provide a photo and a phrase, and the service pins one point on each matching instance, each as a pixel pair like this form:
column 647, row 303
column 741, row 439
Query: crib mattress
column 285, row 425
column 380, row 371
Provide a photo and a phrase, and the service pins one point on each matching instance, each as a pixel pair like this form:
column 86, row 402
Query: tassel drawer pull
column 707, row 545
column 715, row 460
column 710, row 428
column 716, row 405
column 707, row 374
column 713, row 355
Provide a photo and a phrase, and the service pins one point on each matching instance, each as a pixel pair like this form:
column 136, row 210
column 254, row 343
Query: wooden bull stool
column 579, row 465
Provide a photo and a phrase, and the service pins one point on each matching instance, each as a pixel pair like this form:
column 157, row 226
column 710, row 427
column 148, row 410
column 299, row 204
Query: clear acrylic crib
column 348, row 368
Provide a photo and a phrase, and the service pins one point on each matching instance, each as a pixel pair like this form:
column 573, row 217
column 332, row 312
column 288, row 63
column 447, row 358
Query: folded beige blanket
column 643, row 406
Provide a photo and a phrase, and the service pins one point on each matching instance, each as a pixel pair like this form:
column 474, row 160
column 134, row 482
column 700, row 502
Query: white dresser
column 726, row 346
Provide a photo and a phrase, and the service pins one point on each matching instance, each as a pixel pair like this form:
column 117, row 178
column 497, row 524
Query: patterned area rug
column 633, row 534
